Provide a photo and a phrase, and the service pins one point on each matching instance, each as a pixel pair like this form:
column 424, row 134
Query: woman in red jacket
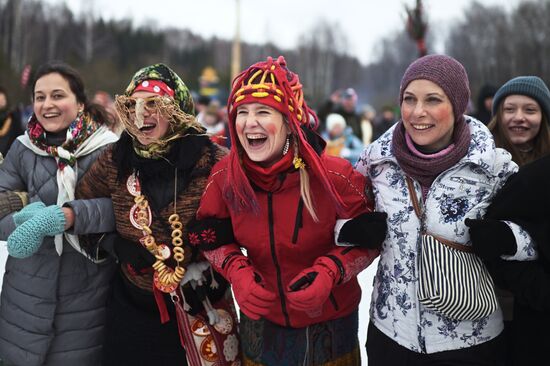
column 278, row 196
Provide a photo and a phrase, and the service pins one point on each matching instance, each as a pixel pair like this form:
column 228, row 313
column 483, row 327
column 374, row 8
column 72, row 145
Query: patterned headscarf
column 79, row 130
column 271, row 83
column 182, row 115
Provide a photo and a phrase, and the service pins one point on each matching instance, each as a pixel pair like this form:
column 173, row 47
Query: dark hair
column 98, row 113
column 541, row 142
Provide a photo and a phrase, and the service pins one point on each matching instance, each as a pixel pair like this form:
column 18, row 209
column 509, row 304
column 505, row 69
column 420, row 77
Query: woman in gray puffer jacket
column 52, row 305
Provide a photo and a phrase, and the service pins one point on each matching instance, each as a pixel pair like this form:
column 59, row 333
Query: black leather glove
column 134, row 254
column 491, row 238
column 367, row 230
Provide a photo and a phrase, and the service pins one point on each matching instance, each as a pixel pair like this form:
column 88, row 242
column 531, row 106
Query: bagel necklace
column 165, row 278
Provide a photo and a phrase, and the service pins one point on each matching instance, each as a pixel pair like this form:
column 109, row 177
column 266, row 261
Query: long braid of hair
column 295, row 95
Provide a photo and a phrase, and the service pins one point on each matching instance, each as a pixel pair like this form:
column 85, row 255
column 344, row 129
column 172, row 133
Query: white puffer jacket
column 463, row 191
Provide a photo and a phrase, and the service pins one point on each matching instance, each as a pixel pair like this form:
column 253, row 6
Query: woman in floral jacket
column 455, row 169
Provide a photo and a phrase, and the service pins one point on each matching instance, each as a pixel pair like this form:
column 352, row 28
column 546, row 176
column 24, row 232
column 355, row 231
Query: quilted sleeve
column 11, row 179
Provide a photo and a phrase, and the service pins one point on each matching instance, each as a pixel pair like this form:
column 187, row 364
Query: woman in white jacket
column 455, row 170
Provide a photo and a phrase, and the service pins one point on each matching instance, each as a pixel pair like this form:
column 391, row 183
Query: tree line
column 492, row 43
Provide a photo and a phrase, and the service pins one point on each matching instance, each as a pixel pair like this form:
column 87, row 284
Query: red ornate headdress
column 271, row 83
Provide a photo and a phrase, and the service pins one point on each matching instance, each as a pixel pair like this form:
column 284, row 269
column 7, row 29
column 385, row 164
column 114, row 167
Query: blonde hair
column 305, row 191
column 305, row 187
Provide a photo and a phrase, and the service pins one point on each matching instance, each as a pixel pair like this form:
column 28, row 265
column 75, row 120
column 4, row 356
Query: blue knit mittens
column 28, row 212
column 27, row 238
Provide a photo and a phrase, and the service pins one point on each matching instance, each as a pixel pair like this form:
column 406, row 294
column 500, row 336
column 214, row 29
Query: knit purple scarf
column 423, row 167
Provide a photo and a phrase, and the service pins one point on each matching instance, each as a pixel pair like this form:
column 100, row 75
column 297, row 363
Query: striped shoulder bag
column 452, row 280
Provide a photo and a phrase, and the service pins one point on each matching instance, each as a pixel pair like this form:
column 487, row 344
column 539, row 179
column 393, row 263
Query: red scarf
column 267, row 178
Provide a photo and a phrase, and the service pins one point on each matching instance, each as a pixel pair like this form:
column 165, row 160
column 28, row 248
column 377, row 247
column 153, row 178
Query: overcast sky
column 364, row 22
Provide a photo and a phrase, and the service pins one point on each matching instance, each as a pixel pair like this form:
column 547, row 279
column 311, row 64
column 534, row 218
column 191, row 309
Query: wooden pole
column 236, row 49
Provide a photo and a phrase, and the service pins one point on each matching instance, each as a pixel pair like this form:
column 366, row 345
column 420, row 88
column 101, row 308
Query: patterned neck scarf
column 77, row 132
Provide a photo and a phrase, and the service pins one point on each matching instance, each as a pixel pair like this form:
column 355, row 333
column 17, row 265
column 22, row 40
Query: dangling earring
column 297, row 161
column 287, row 146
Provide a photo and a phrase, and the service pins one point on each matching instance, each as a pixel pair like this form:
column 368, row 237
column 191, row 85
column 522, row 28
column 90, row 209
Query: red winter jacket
column 283, row 239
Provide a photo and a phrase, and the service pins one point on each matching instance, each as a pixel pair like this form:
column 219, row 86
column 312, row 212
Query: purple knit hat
column 446, row 72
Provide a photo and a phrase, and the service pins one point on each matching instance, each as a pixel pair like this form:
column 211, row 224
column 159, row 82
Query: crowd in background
column 350, row 128
column 356, row 127
column 122, row 177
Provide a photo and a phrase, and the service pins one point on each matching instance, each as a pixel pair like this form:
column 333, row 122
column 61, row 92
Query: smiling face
column 521, row 117
column 427, row 115
column 54, row 103
column 262, row 132
column 155, row 125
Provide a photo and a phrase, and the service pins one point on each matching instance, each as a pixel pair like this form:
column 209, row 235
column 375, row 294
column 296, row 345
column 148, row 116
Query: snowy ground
column 365, row 278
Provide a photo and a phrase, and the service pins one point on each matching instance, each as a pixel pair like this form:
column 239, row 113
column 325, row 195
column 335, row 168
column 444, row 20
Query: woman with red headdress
column 280, row 197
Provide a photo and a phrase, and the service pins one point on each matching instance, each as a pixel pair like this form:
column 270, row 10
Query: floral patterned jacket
column 463, row 191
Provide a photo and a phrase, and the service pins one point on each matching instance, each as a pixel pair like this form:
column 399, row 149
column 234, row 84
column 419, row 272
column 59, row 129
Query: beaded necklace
column 166, row 279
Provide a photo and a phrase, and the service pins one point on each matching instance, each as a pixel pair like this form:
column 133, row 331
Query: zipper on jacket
column 298, row 222
column 274, row 257
column 333, row 301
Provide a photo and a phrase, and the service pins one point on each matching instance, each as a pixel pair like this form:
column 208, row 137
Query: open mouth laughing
column 148, row 127
column 256, row 140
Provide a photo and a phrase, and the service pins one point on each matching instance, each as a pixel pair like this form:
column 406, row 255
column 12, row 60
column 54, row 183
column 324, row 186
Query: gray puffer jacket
column 52, row 308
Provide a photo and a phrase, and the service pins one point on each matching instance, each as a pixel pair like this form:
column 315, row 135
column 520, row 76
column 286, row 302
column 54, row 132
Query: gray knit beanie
column 531, row 86
column 446, row 72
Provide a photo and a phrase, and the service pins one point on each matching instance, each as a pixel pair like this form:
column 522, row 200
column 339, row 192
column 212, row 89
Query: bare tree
column 381, row 79
column 495, row 45
column 480, row 44
column 14, row 48
column 317, row 54
column 88, row 17
column 532, row 27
